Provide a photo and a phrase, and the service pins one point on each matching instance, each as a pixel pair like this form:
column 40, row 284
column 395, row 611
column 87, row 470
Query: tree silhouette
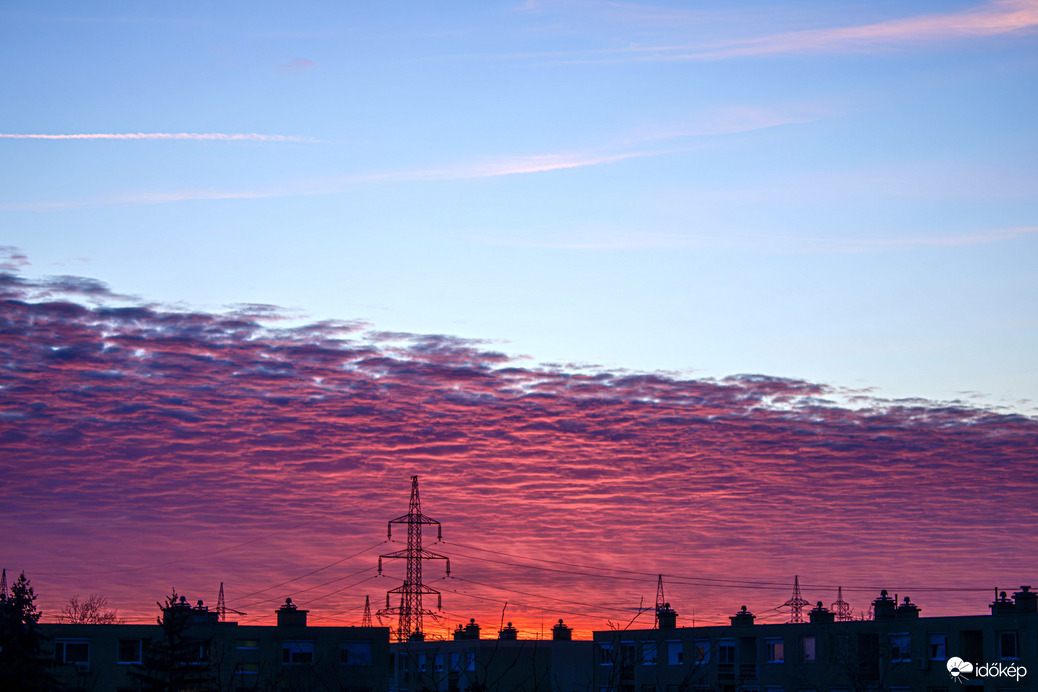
column 178, row 661
column 92, row 611
column 22, row 663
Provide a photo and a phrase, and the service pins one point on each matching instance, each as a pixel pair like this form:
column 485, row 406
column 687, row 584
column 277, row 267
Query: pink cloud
column 145, row 447
column 296, row 66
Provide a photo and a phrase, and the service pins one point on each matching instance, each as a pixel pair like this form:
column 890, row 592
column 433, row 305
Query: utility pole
column 410, row 610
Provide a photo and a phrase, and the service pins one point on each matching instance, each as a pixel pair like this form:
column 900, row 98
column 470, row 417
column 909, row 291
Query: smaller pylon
column 3, row 584
column 221, row 606
column 660, row 602
column 841, row 608
column 366, row 620
column 796, row 603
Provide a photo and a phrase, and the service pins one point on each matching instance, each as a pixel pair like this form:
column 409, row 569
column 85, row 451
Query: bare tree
column 93, row 610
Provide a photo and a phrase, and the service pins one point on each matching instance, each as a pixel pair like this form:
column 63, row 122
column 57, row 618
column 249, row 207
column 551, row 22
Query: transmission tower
column 841, row 608
column 3, row 584
column 410, row 610
column 660, row 602
column 796, row 603
column 221, row 606
column 222, row 609
column 366, row 620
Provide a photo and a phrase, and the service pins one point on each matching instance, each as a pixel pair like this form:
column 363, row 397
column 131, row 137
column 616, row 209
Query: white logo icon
column 956, row 666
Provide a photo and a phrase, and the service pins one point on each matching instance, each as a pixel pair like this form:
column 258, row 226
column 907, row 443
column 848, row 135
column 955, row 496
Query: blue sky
column 839, row 192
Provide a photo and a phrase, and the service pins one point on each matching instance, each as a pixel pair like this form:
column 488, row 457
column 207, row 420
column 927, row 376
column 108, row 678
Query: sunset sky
column 727, row 291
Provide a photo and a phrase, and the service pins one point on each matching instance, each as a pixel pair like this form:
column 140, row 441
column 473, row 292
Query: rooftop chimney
column 469, row 631
column 743, row 617
column 291, row 616
column 821, row 615
column 666, row 616
column 883, row 607
column 508, row 632
column 1003, row 605
column 1026, row 601
column 561, row 633
column 907, row 611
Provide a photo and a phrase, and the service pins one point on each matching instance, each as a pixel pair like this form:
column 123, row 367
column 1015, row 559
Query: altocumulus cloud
column 144, row 446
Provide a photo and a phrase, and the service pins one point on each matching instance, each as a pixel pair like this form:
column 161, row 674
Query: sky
column 702, row 289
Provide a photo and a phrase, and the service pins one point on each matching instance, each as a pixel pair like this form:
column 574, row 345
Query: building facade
column 895, row 651
column 469, row 663
column 191, row 649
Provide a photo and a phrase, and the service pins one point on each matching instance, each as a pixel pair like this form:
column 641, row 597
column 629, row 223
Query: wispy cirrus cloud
column 997, row 18
column 194, row 136
column 659, row 141
column 137, row 439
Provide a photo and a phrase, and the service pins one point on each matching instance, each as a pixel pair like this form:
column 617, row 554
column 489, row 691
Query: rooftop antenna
column 502, row 626
column 841, row 608
column 796, row 603
column 366, row 620
column 660, row 602
column 411, row 591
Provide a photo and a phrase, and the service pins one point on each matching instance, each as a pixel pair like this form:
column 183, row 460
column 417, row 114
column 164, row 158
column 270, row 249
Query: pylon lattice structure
column 221, row 605
column 660, row 602
column 366, row 620
column 796, row 603
column 3, row 584
column 410, row 610
column 841, row 608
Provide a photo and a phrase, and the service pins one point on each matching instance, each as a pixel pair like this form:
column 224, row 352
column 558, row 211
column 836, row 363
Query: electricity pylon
column 410, row 610
column 796, row 603
column 366, row 620
column 841, row 607
column 660, row 602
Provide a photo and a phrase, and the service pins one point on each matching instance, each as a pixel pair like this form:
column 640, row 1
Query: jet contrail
column 207, row 136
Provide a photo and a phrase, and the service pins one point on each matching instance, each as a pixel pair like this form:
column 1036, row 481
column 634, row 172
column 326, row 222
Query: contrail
column 206, row 136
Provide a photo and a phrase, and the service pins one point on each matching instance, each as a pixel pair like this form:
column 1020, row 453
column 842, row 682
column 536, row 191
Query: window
column 421, row 663
column 438, row 663
column 606, row 655
column 650, row 653
column 774, row 651
column 900, row 647
column 128, row 651
column 628, row 653
column 807, row 650
column 455, row 661
column 675, row 653
column 246, row 644
column 245, row 669
column 1008, row 646
column 726, row 651
column 73, row 652
column 700, row 651
column 355, row 653
column 296, row 652
column 470, row 660
column 938, row 647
